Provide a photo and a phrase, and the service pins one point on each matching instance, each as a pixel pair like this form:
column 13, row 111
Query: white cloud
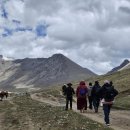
column 18, row 45
column 15, row 8
column 95, row 31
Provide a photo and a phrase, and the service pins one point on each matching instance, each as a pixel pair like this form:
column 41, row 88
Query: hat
column 106, row 81
column 96, row 82
column 69, row 84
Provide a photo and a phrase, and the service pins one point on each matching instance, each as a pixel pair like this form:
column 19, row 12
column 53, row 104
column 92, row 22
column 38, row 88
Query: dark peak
column 125, row 62
column 58, row 55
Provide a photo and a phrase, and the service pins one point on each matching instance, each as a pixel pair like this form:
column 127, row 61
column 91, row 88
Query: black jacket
column 69, row 91
column 103, row 92
column 95, row 89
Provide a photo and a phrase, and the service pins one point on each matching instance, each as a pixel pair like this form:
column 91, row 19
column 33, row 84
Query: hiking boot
column 96, row 111
column 108, row 124
column 81, row 111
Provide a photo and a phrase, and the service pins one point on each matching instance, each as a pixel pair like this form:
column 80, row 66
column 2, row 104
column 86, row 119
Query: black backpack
column 64, row 89
column 109, row 94
column 95, row 91
column 69, row 92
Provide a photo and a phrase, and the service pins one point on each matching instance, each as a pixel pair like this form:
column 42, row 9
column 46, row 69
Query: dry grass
column 26, row 114
column 120, row 79
column 121, row 82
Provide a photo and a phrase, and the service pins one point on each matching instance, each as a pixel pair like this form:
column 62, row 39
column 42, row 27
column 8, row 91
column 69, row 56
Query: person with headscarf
column 81, row 94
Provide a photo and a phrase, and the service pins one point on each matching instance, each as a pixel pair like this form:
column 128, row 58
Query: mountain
column 120, row 67
column 5, row 64
column 127, row 66
column 41, row 72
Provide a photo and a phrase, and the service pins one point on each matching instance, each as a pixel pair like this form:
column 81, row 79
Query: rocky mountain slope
column 127, row 66
column 39, row 72
column 124, row 65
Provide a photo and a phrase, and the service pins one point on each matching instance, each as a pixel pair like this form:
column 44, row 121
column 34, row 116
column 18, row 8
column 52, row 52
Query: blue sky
column 93, row 33
column 39, row 29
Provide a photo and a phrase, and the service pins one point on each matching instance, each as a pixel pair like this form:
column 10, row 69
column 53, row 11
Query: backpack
column 64, row 89
column 109, row 94
column 69, row 91
column 82, row 91
column 95, row 91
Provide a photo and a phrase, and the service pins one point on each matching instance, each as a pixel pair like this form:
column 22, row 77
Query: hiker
column 90, row 96
column 81, row 94
column 95, row 96
column 111, row 84
column 64, row 89
column 107, row 94
column 6, row 94
column 69, row 95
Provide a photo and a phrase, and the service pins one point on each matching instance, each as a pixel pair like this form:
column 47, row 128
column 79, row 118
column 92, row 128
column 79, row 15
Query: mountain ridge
column 120, row 67
column 39, row 72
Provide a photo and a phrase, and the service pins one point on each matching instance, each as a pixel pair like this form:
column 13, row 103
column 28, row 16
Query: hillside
column 121, row 80
column 126, row 66
column 40, row 72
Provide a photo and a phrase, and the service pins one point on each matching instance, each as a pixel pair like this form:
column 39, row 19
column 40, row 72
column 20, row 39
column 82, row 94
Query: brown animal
column 2, row 94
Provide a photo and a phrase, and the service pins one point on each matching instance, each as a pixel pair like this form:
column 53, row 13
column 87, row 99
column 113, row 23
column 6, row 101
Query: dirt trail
column 119, row 118
column 45, row 100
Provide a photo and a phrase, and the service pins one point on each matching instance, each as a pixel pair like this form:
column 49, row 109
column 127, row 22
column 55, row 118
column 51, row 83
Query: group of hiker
column 91, row 96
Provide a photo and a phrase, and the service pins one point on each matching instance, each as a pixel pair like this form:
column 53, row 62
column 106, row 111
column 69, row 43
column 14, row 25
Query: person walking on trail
column 90, row 96
column 69, row 95
column 81, row 94
column 107, row 94
column 64, row 89
column 111, row 84
column 95, row 96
